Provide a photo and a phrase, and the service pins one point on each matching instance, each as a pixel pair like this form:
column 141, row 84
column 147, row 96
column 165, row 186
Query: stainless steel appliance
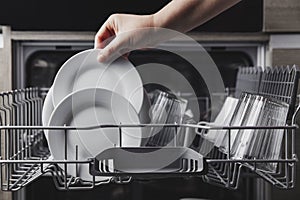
column 33, row 58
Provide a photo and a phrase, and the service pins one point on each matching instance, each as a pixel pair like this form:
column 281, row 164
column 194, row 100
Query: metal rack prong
column 66, row 158
column 76, row 158
column 120, row 136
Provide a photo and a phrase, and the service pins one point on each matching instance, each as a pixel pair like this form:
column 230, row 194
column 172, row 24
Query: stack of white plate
column 87, row 93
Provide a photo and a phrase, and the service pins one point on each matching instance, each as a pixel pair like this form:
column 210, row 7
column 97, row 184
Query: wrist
column 156, row 21
column 151, row 20
column 162, row 20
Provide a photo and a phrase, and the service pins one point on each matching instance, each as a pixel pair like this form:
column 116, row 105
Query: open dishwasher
column 25, row 155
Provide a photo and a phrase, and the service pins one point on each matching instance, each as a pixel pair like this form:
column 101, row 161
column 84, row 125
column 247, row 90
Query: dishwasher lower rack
column 21, row 166
column 226, row 172
column 24, row 155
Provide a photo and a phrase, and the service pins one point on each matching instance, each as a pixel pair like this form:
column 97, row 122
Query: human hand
column 122, row 33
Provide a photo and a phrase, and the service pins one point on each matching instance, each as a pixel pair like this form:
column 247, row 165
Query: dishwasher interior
column 25, row 160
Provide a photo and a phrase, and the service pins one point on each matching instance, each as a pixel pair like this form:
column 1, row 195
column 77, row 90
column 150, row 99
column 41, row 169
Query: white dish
column 83, row 71
column 242, row 142
column 48, row 108
column 222, row 119
column 238, row 119
column 91, row 107
column 215, row 137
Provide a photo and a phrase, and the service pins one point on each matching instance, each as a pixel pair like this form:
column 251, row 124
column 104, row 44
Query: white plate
column 242, row 141
column 238, row 118
column 223, row 119
column 83, row 71
column 90, row 107
column 48, row 108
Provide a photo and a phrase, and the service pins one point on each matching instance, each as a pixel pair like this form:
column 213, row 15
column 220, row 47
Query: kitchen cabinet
column 1, row 41
column 5, row 60
column 5, row 80
column 281, row 16
column 5, row 196
column 286, row 57
column 284, row 49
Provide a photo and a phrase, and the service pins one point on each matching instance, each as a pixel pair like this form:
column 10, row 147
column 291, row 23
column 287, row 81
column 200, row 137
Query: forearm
column 184, row 15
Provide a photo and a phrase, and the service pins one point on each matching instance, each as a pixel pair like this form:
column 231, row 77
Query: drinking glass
column 166, row 108
column 271, row 143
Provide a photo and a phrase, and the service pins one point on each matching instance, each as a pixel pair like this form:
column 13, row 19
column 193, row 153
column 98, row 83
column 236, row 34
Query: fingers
column 112, row 50
column 101, row 38
column 106, row 31
column 108, row 39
